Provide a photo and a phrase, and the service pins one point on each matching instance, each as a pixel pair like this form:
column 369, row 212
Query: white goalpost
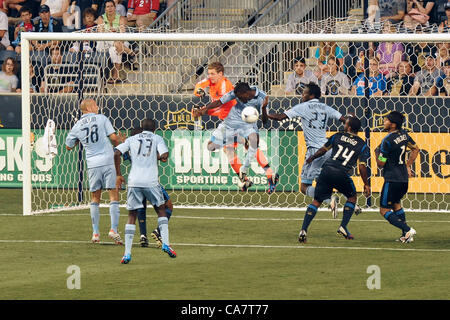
column 155, row 77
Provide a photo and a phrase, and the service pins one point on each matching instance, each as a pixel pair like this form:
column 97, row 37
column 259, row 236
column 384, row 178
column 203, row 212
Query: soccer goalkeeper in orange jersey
column 218, row 86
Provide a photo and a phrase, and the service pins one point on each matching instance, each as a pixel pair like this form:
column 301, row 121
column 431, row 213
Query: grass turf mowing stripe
column 253, row 246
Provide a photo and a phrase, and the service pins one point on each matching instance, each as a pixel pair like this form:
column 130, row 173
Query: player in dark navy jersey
column 391, row 156
column 347, row 150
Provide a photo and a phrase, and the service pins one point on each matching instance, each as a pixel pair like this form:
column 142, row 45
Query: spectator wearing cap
column 45, row 23
column 444, row 81
column 377, row 81
column 57, row 7
column 300, row 77
column 444, row 26
column 335, row 82
column 402, row 82
column 426, row 82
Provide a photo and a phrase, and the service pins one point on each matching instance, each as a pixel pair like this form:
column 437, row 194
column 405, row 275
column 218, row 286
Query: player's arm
column 318, row 154
column 114, row 138
column 380, row 156
column 277, row 116
column 200, row 87
column 163, row 157
column 412, row 155
column 264, row 110
column 120, row 180
column 202, row 111
column 365, row 155
column 70, row 148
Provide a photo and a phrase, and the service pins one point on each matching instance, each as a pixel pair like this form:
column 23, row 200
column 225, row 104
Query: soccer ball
column 250, row 114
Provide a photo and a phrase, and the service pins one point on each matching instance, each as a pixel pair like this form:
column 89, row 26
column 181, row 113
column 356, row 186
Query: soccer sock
column 168, row 213
column 129, row 235
column 309, row 216
column 235, row 164
column 95, row 217
column 142, row 220
column 114, row 212
column 396, row 221
column 264, row 163
column 163, row 225
column 401, row 215
column 349, row 208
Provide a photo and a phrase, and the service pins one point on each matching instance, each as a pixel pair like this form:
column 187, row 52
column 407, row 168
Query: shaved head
column 88, row 106
column 148, row 125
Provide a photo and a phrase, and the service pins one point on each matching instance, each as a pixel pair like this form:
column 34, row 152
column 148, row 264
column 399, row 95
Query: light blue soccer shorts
column 310, row 171
column 136, row 196
column 225, row 135
column 102, row 178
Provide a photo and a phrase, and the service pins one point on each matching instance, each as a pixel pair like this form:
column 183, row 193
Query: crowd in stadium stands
column 394, row 68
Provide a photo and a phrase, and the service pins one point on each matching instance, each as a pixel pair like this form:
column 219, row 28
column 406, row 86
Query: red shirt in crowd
column 143, row 6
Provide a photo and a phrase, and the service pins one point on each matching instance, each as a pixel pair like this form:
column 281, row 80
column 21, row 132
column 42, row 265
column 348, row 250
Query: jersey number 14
column 347, row 154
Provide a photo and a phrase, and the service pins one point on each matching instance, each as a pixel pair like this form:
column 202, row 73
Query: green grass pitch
column 223, row 254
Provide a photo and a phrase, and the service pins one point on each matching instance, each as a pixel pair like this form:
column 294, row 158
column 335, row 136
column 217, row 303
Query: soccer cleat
column 143, row 241
column 244, row 182
column 408, row 236
column 358, row 209
column 95, row 238
column 157, row 237
column 168, row 249
column 273, row 183
column 302, row 236
column 115, row 237
column 125, row 259
column 333, row 206
column 345, row 233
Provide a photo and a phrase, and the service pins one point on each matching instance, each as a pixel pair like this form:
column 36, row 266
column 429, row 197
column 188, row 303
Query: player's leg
column 156, row 198
column 142, row 221
column 135, row 196
column 130, row 229
column 95, row 188
column 217, row 138
column 95, row 215
column 109, row 178
column 344, row 184
column 323, row 191
column 310, row 171
column 272, row 177
column 168, row 208
column 233, row 159
column 391, row 194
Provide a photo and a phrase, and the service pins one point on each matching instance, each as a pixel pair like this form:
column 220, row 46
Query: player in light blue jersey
column 314, row 117
column 233, row 127
column 95, row 132
column 145, row 150
column 142, row 212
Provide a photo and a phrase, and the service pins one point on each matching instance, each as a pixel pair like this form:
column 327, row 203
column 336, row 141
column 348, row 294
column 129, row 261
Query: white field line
column 253, row 246
column 231, row 218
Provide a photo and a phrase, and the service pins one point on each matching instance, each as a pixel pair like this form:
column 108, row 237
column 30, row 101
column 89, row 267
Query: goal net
column 133, row 75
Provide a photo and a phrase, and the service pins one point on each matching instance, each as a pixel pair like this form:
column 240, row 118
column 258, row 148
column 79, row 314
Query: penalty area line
column 244, row 246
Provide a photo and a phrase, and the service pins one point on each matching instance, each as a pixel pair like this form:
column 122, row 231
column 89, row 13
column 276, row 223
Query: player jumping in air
column 142, row 212
column 390, row 157
column 346, row 149
column 95, row 132
column 145, row 149
column 233, row 127
column 314, row 116
column 219, row 85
